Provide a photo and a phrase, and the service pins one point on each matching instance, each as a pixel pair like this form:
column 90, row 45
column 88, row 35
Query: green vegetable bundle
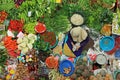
column 40, row 44
column 29, row 27
column 6, row 5
column 3, row 57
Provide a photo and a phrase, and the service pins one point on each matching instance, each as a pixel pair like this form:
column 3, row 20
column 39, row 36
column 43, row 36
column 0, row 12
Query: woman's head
column 78, row 34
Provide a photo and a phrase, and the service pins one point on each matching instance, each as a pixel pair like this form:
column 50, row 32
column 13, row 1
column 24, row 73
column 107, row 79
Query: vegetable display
column 33, row 37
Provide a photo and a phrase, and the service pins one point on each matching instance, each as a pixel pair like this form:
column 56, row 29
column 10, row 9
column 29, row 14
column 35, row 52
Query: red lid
column 117, row 46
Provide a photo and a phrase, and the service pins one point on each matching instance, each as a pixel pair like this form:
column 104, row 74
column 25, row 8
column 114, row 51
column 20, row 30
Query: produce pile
column 32, row 34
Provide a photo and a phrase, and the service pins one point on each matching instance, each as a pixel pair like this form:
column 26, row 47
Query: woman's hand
column 75, row 46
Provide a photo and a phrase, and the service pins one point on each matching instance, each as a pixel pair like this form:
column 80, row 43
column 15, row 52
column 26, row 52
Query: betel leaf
column 59, row 23
column 118, row 13
column 41, row 45
column 6, row 5
column 3, row 56
column 37, row 8
column 110, row 2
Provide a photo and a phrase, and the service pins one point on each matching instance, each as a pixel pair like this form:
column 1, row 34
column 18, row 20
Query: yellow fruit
column 67, row 79
column 8, row 77
column 12, row 71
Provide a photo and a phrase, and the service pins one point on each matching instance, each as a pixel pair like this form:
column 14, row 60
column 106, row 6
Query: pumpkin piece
column 106, row 30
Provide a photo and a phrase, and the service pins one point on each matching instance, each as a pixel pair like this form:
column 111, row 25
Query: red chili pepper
column 11, row 46
column 3, row 16
column 16, row 5
column 16, row 25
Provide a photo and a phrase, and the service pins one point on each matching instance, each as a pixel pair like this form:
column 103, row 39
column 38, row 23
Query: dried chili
column 51, row 62
column 49, row 37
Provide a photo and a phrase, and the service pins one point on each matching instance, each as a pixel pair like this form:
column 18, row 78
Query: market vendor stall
column 59, row 40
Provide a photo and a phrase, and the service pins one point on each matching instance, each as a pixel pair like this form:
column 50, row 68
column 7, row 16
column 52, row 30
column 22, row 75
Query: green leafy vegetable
column 6, row 5
column 29, row 27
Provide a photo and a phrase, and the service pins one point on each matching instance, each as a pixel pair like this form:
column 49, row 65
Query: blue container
column 66, row 64
column 107, row 43
column 117, row 54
